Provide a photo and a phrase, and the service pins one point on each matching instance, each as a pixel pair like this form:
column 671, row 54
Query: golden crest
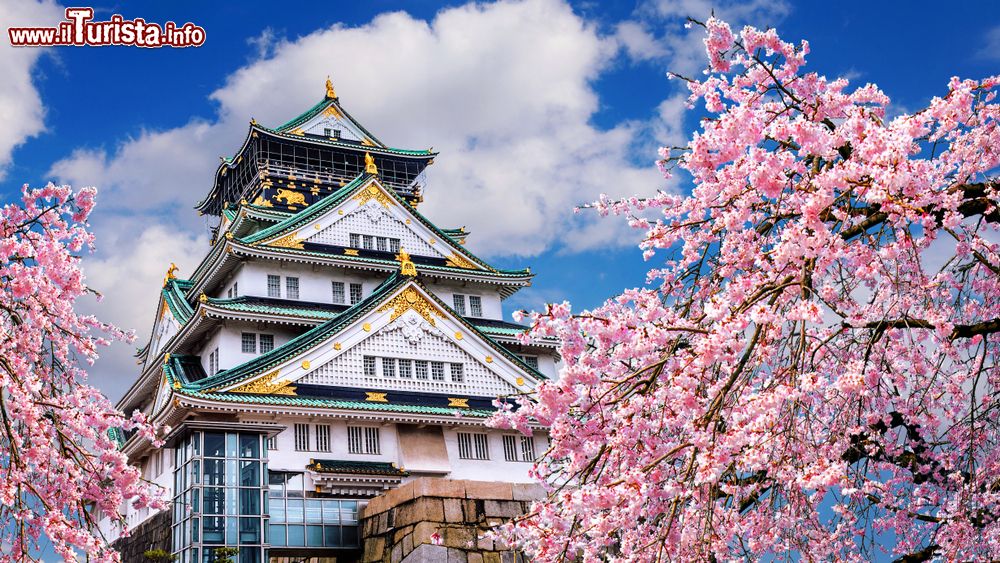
column 456, row 402
column 376, row 397
column 457, row 261
column 372, row 192
column 288, row 241
column 265, row 385
column 411, row 299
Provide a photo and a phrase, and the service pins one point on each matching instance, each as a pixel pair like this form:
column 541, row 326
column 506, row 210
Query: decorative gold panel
column 376, row 397
column 265, row 385
column 372, row 192
column 456, row 402
column 458, row 261
column 288, row 241
column 411, row 299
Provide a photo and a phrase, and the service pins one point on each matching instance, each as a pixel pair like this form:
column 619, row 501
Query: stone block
column 453, row 510
column 422, row 533
column 491, row 557
column 475, row 558
column 423, row 509
column 443, row 488
column 528, row 491
column 473, row 510
column 397, row 496
column 461, row 537
column 508, row 557
column 457, row 556
column 407, row 544
column 396, row 554
column 485, row 543
column 488, row 490
column 373, row 507
column 428, row 553
column 374, row 549
column 502, row 509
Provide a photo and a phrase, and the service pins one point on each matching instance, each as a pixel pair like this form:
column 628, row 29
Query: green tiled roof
column 352, row 466
column 316, row 110
column 315, row 210
column 241, row 305
column 293, row 401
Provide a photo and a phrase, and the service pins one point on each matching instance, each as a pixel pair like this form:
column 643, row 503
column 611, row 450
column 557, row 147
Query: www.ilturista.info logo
column 78, row 29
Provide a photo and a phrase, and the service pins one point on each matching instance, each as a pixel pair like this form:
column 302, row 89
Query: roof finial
column 406, row 266
column 170, row 274
column 370, row 164
column 330, row 93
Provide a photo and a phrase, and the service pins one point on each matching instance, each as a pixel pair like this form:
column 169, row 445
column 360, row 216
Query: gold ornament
column 330, row 93
column 406, row 266
column 370, row 164
column 376, row 397
column 411, row 299
column 456, row 402
column 265, row 385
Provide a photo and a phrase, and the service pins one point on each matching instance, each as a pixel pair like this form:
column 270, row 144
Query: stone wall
column 152, row 534
column 397, row 527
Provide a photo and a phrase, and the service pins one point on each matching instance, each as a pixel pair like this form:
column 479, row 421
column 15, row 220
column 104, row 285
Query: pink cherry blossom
column 61, row 470
column 812, row 373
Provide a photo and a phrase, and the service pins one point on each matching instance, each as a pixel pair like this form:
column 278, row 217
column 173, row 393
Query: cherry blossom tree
column 812, row 372
column 60, row 469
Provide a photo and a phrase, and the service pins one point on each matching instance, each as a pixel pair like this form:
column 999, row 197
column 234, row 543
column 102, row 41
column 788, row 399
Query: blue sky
column 535, row 106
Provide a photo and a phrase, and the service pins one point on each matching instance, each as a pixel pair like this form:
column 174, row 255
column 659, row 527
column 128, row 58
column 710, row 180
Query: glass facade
column 224, row 496
column 298, row 520
column 219, row 498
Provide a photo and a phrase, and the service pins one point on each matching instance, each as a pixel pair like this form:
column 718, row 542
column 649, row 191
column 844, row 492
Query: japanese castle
column 332, row 345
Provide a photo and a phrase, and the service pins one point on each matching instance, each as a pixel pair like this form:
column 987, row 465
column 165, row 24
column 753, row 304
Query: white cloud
column 22, row 114
column 639, row 43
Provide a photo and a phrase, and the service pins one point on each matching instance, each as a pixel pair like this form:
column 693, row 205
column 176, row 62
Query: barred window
column 229, row 293
column 518, row 448
column 473, row 446
column 369, row 366
column 249, row 343
column 394, row 245
column 459, row 301
column 301, row 437
column 363, row 440
column 213, row 362
column 292, row 288
column 355, row 240
column 457, row 373
column 338, row 292
column 273, row 286
column 236, row 289
column 437, row 371
column 272, row 442
column 388, row 367
column 421, row 368
column 355, row 293
column 381, row 244
column 405, row 368
column 532, row 361
column 367, row 242
column 266, row 343
column 475, row 306
column 322, row 437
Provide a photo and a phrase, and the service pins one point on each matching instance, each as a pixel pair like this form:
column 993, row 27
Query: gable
column 164, row 328
column 161, row 397
column 404, row 344
column 371, row 210
column 333, row 119
column 405, row 324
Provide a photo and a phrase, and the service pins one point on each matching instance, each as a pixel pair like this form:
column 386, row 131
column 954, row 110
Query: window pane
column 249, row 445
column 475, row 306
column 249, row 342
column 369, row 364
column 338, row 292
column 214, row 500
column 295, row 511
column 277, row 535
column 332, row 534
column 394, row 245
column 405, row 368
column 296, row 535
column 212, row 529
column 331, row 511
column 388, row 367
column 292, row 288
column 215, row 444
column 459, row 301
column 355, row 240
column 249, row 501
column 421, row 369
column 314, row 536
column 249, row 530
column 457, row 373
column 437, row 371
column 355, row 293
column 273, row 286
column 266, row 343
column 277, row 511
column 314, row 514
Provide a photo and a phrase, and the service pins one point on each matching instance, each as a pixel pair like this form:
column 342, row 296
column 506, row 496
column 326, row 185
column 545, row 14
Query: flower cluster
column 60, row 468
column 812, row 373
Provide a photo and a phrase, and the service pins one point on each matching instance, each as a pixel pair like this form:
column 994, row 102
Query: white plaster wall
column 314, row 282
column 229, row 339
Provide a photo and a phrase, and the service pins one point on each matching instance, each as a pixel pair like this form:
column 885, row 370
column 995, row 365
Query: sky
column 536, row 107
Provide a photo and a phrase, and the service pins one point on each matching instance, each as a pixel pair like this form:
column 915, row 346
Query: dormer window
column 327, row 132
column 336, row 133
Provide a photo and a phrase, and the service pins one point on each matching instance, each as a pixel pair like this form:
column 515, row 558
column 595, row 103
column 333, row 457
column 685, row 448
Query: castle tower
column 333, row 344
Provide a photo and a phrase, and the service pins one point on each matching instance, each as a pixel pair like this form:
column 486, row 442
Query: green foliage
column 225, row 554
column 159, row 556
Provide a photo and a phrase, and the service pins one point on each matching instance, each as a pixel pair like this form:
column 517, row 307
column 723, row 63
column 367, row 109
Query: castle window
column 518, row 448
column 389, row 367
column 272, row 443
column 457, row 373
column 355, row 240
column 363, row 440
column 437, row 371
column 473, row 446
column 394, row 245
column 249, row 342
column 475, row 306
column 266, row 343
column 369, row 366
column 322, row 437
column 355, row 293
column 292, row 288
column 459, row 301
column 301, row 437
column 381, row 243
column 236, row 289
column 327, row 131
column 405, row 368
column 336, row 133
column 421, row 369
column 273, row 286
column 338, row 292
column 213, row 362
column 367, row 242
column 532, row 361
